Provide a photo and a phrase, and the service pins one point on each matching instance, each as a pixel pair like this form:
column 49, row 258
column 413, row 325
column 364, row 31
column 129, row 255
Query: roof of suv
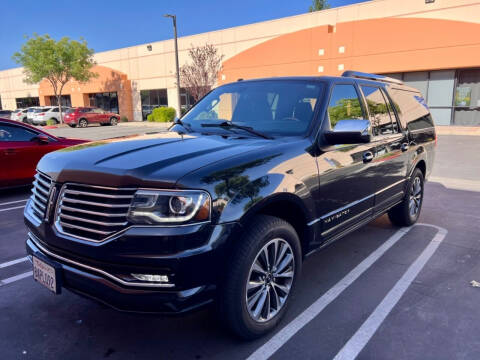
column 347, row 75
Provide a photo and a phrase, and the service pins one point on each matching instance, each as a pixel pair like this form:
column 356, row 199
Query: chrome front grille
column 40, row 194
column 92, row 213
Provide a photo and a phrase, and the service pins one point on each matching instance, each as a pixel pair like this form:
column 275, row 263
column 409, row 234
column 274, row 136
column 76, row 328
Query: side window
column 15, row 133
column 411, row 108
column 395, row 120
column 54, row 110
column 344, row 104
column 378, row 110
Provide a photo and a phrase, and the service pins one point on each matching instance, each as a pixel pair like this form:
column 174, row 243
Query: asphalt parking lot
column 380, row 293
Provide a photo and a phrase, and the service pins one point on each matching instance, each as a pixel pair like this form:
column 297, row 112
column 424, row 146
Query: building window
column 65, row 100
column 467, row 98
column 107, row 101
column 186, row 100
column 152, row 99
column 26, row 102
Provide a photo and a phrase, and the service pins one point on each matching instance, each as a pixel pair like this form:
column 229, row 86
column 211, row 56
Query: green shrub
column 162, row 114
column 124, row 119
column 51, row 122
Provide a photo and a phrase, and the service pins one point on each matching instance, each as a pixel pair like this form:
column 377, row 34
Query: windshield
column 272, row 107
column 70, row 110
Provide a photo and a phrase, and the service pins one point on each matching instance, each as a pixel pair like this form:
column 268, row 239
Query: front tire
column 113, row 121
column 261, row 277
column 407, row 212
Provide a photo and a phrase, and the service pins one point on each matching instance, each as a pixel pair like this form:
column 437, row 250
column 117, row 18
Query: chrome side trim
column 390, row 186
column 353, row 203
column 339, row 209
column 113, row 277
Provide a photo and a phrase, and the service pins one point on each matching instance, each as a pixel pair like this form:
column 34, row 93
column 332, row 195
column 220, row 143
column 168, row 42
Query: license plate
column 45, row 274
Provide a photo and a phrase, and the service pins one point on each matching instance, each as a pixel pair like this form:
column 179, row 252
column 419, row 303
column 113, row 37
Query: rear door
column 347, row 187
column 390, row 145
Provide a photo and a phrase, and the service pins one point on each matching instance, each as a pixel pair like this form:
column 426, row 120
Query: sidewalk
column 458, row 130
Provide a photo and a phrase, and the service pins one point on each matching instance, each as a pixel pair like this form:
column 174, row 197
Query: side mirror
column 41, row 139
column 349, row 131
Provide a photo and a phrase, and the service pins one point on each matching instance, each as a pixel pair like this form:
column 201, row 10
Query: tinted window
column 344, row 104
column 378, row 110
column 271, row 107
column 15, row 133
column 411, row 107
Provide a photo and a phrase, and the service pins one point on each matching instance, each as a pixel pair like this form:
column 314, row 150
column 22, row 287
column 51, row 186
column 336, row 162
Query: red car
column 83, row 116
column 21, row 147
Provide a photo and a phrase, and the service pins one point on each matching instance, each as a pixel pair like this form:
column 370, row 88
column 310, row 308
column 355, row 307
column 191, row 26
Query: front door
column 346, row 171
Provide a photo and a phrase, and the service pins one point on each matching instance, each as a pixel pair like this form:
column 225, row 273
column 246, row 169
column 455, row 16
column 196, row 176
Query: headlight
column 151, row 207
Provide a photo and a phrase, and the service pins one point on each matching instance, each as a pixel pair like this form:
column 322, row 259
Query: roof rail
column 375, row 77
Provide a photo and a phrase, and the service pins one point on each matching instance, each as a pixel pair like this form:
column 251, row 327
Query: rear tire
column 255, row 292
column 56, row 121
column 407, row 212
column 82, row 123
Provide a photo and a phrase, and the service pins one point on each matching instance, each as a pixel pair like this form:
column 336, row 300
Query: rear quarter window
column 411, row 108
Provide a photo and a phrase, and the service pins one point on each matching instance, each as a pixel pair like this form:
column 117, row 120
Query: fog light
column 151, row 278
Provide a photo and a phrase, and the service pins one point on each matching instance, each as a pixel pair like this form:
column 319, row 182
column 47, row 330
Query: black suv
column 225, row 206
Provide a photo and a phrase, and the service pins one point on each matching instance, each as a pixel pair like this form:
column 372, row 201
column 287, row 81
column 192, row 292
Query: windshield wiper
column 228, row 124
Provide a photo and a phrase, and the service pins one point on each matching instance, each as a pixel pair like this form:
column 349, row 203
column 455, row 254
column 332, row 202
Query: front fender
column 265, row 190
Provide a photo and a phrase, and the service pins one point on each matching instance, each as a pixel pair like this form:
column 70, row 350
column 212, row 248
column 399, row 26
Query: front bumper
column 194, row 274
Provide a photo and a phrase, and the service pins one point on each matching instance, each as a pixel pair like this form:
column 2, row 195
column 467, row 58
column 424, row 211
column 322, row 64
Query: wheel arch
column 290, row 208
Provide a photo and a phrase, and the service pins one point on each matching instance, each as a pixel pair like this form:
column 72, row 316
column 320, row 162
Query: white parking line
column 13, row 202
column 281, row 337
column 15, row 278
column 12, row 208
column 363, row 335
column 13, row 262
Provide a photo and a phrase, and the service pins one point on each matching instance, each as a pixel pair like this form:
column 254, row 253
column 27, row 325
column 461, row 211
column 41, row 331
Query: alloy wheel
column 415, row 197
column 82, row 123
column 270, row 280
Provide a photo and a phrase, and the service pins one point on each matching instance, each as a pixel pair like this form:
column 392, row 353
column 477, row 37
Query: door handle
column 367, row 156
column 404, row 146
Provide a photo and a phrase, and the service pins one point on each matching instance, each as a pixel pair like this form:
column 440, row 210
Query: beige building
column 431, row 45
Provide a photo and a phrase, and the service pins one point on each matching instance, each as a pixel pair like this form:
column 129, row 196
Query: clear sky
column 113, row 24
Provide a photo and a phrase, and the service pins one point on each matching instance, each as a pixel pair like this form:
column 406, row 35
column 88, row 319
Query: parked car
column 6, row 114
column 226, row 206
column 21, row 146
column 19, row 115
column 48, row 113
column 31, row 111
column 84, row 116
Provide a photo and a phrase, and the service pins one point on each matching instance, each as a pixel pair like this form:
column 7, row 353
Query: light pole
column 174, row 19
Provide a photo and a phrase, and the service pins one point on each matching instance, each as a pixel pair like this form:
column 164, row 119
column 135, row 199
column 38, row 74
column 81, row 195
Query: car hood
column 149, row 160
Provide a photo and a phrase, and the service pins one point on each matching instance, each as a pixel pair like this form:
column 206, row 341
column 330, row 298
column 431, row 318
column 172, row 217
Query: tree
column 57, row 61
column 200, row 76
column 318, row 5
